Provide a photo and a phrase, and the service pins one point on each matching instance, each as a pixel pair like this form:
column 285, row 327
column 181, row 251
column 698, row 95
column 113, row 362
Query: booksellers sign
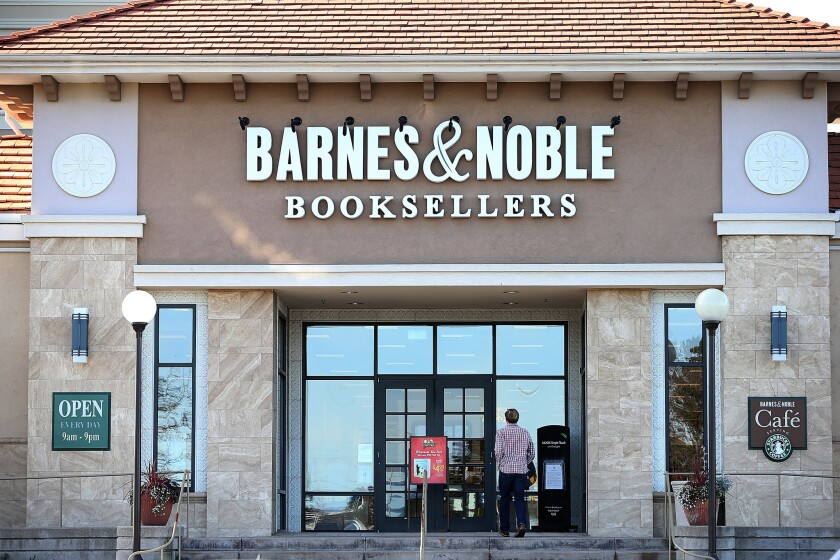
column 778, row 425
column 81, row 421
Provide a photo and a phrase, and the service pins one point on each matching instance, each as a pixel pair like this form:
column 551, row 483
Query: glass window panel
column 395, row 426
column 453, row 400
column 474, row 504
column 455, row 476
column 456, row 451
column 339, row 446
column 685, row 335
column 416, row 425
column 174, row 418
column 395, row 478
column 685, row 416
column 417, row 400
column 531, row 350
column 474, row 400
column 415, row 504
column 339, row 350
column 395, row 504
column 465, row 349
column 474, row 451
column 453, row 425
column 395, row 453
column 338, row 513
column 540, row 402
column 175, row 335
column 456, row 505
column 474, row 476
column 473, row 425
column 405, row 349
column 394, row 400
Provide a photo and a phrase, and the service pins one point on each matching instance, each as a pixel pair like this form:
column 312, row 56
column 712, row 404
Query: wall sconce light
column 297, row 121
column 403, row 120
column 80, row 335
column 507, row 120
column 349, row 121
column 778, row 333
column 615, row 121
column 561, row 120
column 244, row 122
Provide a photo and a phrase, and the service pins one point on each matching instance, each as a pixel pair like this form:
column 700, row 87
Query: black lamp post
column 139, row 309
column 712, row 306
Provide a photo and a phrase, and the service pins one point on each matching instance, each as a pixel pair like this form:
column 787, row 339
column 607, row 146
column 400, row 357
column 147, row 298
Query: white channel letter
column 512, row 204
column 345, row 204
column 408, row 168
column 257, row 156
column 572, row 171
column 457, row 212
column 549, row 160
column 541, row 203
column 316, row 207
column 294, row 207
column 433, row 209
column 520, row 152
column 350, row 153
column 599, row 152
column 289, row 158
column 375, row 152
column 409, row 203
column 319, row 144
column 567, row 205
column 488, row 153
column 379, row 208
column 483, row 213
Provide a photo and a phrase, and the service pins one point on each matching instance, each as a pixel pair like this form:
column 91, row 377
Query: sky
column 827, row 11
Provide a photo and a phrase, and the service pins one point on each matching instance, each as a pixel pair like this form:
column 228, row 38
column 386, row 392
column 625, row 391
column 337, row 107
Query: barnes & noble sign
column 778, row 425
column 348, row 153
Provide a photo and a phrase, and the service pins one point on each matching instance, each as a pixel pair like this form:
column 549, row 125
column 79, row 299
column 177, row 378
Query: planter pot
column 147, row 517
column 699, row 514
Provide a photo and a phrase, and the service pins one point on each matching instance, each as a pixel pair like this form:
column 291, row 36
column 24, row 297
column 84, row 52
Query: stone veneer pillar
column 762, row 271
column 618, row 413
column 95, row 273
column 241, row 371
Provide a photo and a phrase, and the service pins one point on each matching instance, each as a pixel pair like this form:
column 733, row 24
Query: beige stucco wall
column 97, row 274
column 618, row 413
column 240, row 452
column 762, row 271
column 14, row 347
column 666, row 156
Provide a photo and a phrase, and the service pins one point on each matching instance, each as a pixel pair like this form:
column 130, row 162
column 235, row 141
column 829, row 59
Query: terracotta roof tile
column 15, row 174
column 434, row 27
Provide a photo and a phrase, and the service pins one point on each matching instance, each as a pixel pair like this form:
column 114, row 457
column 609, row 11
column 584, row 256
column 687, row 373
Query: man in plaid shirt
column 514, row 450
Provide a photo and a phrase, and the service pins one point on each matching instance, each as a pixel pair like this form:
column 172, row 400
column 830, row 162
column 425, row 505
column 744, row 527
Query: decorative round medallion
column 777, row 448
column 84, row 165
column 776, row 162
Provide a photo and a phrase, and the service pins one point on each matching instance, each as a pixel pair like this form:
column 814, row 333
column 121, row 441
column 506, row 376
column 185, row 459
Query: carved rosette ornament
column 776, row 162
column 84, row 165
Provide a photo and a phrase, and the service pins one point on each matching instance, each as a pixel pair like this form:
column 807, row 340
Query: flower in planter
column 696, row 490
column 158, row 485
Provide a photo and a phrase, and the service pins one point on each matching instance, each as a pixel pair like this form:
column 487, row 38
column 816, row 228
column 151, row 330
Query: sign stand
column 427, row 465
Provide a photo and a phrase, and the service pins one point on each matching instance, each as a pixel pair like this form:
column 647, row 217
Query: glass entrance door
column 459, row 408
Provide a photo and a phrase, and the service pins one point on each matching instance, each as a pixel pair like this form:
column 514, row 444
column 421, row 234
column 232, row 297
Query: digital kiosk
column 554, row 510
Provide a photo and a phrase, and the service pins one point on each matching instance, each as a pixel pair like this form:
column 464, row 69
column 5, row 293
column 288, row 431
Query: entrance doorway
column 460, row 408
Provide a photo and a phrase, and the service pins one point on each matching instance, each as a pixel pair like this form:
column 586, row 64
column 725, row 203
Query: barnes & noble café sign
column 349, row 153
column 778, row 425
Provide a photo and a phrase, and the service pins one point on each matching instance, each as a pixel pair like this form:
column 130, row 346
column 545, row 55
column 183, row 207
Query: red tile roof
column 834, row 170
column 424, row 27
column 15, row 174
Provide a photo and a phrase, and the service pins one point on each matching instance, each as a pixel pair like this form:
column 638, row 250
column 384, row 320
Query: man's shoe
column 520, row 532
column 504, row 534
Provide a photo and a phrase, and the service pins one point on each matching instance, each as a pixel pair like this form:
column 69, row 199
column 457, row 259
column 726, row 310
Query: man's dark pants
column 511, row 484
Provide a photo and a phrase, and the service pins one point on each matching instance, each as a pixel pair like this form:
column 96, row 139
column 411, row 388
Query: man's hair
column 512, row 415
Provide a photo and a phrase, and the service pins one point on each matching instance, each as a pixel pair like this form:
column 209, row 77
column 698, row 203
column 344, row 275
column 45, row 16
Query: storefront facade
column 436, row 239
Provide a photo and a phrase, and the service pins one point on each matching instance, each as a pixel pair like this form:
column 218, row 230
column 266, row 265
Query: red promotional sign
column 428, row 454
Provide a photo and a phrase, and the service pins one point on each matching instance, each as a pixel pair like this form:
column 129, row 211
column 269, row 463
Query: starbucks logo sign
column 777, row 448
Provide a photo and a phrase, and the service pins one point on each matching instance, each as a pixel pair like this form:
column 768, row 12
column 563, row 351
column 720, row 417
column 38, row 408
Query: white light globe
column 712, row 305
column 139, row 307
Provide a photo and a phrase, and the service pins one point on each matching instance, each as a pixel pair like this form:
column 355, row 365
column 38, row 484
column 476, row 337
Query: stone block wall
column 12, row 492
column 240, row 465
column 762, row 271
column 65, row 273
column 618, row 413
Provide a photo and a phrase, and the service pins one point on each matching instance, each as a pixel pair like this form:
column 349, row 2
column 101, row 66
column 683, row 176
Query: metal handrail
column 175, row 525
column 669, row 522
